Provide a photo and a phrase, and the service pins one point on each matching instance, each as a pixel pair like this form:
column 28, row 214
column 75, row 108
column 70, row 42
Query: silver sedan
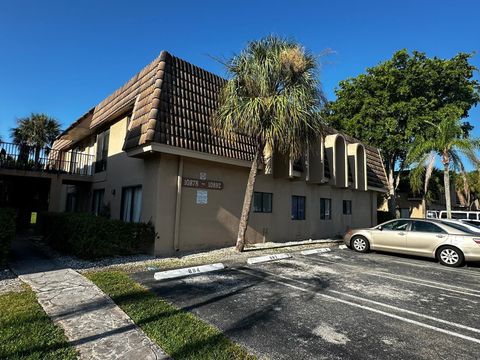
column 450, row 244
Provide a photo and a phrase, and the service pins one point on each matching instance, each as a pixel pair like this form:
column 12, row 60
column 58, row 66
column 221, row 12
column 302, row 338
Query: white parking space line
column 407, row 311
column 460, row 298
column 343, row 247
column 417, row 282
column 396, row 277
column 421, row 263
column 432, row 282
column 336, row 299
column 429, row 265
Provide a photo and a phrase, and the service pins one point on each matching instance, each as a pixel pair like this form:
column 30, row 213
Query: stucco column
column 374, row 208
column 55, row 194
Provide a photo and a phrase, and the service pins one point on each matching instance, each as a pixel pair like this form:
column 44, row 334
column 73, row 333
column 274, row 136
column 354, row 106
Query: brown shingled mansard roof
column 173, row 102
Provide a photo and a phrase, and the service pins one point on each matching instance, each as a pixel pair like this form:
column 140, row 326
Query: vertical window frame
column 101, row 156
column 325, row 209
column 262, row 208
column 130, row 216
column 97, row 207
column 298, row 212
column 347, row 207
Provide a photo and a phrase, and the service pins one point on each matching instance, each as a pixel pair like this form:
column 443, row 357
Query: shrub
column 7, row 233
column 88, row 236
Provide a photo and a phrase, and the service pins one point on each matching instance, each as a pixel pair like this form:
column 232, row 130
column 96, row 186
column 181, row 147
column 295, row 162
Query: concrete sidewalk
column 92, row 322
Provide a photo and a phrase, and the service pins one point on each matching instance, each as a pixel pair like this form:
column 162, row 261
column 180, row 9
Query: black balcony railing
column 24, row 157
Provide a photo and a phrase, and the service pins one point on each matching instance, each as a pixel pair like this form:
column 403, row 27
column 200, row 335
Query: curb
column 315, row 251
column 194, row 270
column 266, row 258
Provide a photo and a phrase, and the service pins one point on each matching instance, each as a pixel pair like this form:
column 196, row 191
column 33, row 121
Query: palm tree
column 37, row 131
column 273, row 96
column 449, row 143
column 420, row 177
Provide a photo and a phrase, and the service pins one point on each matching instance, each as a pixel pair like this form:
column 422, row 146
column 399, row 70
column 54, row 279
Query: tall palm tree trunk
column 424, row 206
column 428, row 175
column 247, row 202
column 446, row 184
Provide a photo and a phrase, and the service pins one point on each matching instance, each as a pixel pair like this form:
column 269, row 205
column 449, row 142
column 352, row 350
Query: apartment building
column 152, row 156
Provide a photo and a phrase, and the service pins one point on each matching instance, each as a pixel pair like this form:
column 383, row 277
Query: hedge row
column 7, row 234
column 89, row 237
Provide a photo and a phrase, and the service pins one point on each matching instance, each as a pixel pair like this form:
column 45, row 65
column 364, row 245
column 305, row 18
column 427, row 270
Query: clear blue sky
column 63, row 57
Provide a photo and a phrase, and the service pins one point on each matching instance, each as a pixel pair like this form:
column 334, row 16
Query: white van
column 461, row 215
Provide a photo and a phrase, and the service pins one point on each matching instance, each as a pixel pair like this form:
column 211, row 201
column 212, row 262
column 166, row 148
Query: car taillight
column 477, row 240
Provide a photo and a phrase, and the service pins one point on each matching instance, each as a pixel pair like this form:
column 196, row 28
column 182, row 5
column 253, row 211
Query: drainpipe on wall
column 178, row 205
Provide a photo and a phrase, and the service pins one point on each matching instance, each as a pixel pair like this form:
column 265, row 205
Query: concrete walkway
column 92, row 322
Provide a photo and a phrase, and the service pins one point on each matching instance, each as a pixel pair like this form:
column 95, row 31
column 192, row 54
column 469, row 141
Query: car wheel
column 450, row 256
column 360, row 244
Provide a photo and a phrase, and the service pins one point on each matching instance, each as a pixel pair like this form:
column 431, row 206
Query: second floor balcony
column 31, row 158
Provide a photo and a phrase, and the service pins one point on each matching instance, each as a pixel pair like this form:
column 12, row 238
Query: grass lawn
column 181, row 334
column 26, row 332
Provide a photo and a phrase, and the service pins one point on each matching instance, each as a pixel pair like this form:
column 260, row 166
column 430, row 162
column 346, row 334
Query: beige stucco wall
column 216, row 223
column 121, row 170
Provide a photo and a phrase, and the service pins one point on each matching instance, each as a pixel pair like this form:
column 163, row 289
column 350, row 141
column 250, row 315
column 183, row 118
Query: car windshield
column 459, row 227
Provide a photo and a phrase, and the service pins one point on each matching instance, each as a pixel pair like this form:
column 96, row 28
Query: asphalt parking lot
column 338, row 305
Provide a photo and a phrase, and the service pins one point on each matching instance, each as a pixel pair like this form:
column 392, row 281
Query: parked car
column 450, row 244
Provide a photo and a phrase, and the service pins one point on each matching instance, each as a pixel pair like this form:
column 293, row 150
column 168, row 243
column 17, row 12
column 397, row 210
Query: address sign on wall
column 202, row 184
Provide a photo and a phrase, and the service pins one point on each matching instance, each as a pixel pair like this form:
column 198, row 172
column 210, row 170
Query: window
column 347, row 207
column 129, row 119
column 102, row 151
column 459, row 215
column 423, row 226
column 326, row 209
column 298, row 207
column 97, row 201
column 405, row 213
column 131, row 203
column 472, row 216
column 396, row 225
column 262, row 202
column 455, row 215
column 71, row 202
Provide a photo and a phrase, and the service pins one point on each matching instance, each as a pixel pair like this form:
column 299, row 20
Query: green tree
column 449, row 143
column 467, row 187
column 420, row 177
column 390, row 105
column 35, row 131
column 273, row 96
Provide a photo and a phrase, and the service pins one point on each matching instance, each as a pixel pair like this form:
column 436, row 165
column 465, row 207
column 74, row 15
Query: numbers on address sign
column 193, row 270
column 273, row 257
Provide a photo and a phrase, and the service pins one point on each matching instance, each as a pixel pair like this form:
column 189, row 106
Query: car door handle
column 440, row 236
column 401, row 233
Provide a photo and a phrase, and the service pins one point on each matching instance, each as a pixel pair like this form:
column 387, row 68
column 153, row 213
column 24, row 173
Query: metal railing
column 24, row 157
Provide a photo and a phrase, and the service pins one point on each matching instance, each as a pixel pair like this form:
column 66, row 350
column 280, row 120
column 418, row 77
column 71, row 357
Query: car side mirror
column 379, row 228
